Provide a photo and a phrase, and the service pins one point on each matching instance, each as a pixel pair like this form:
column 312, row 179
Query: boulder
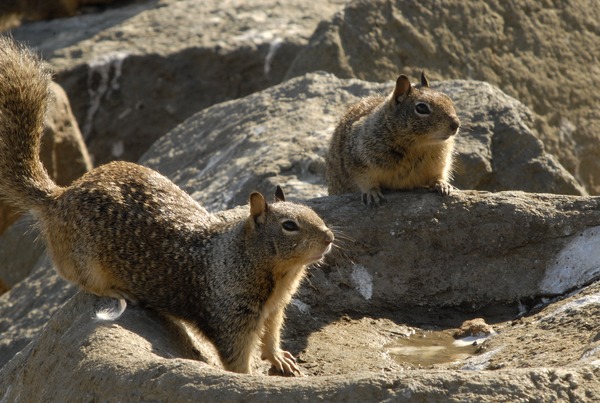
column 20, row 249
column 538, row 52
column 63, row 151
column 132, row 73
column 563, row 332
column 28, row 306
column 280, row 135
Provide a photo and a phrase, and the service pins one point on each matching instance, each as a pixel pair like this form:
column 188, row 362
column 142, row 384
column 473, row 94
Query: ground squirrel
column 125, row 231
column 402, row 141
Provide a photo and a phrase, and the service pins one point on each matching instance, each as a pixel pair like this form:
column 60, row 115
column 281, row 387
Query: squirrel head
column 293, row 233
column 422, row 111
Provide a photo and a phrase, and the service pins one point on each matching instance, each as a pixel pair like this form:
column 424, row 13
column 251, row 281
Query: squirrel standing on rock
column 125, row 231
column 402, row 141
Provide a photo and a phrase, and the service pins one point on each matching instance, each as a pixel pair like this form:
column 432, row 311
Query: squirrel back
column 402, row 141
column 125, row 231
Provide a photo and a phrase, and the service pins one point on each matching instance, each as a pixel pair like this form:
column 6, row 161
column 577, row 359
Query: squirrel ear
column 258, row 207
column 402, row 89
column 279, row 196
column 424, row 80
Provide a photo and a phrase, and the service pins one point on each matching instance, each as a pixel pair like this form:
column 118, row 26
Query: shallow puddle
column 432, row 347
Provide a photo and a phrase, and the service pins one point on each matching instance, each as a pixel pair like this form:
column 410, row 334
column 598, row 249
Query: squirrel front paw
column 283, row 363
column 443, row 188
column 373, row 197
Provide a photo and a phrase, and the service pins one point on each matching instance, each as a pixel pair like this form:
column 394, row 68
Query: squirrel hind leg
column 235, row 350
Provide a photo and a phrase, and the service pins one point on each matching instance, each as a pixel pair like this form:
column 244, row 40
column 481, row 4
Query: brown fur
column 125, row 231
column 382, row 143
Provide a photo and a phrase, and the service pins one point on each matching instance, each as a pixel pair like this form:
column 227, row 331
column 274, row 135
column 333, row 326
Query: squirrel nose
column 455, row 124
column 328, row 239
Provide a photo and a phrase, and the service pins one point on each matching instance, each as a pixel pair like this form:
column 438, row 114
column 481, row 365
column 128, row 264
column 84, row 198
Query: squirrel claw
column 373, row 197
column 284, row 364
column 443, row 188
column 274, row 371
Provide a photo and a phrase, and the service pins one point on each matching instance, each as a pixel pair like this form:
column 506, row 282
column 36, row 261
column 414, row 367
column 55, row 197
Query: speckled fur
column 381, row 143
column 125, row 231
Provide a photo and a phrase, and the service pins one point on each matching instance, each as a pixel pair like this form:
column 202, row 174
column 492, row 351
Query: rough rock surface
column 110, row 362
column 559, row 334
column 133, row 73
column 20, row 249
column 280, row 135
column 28, row 306
column 63, row 152
column 544, row 53
column 135, row 359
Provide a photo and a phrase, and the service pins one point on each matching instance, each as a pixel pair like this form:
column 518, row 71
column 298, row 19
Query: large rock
column 20, row 249
column 28, row 306
column 540, row 52
column 135, row 359
column 559, row 334
column 132, row 73
column 280, row 135
column 63, row 151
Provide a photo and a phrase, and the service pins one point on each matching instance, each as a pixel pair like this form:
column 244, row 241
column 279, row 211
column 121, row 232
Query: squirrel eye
column 290, row 225
column 422, row 109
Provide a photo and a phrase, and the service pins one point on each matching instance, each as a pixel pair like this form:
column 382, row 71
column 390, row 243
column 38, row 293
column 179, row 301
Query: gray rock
column 20, row 249
column 538, row 54
column 472, row 249
column 561, row 333
column 28, row 306
column 63, row 151
column 280, row 135
column 134, row 72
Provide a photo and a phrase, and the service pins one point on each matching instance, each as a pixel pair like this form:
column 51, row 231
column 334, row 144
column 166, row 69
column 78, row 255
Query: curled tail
column 24, row 87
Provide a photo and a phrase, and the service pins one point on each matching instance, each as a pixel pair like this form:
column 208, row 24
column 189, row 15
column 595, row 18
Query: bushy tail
column 24, row 85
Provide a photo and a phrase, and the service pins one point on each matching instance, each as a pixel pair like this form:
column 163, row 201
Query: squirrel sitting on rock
column 402, row 141
column 127, row 232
